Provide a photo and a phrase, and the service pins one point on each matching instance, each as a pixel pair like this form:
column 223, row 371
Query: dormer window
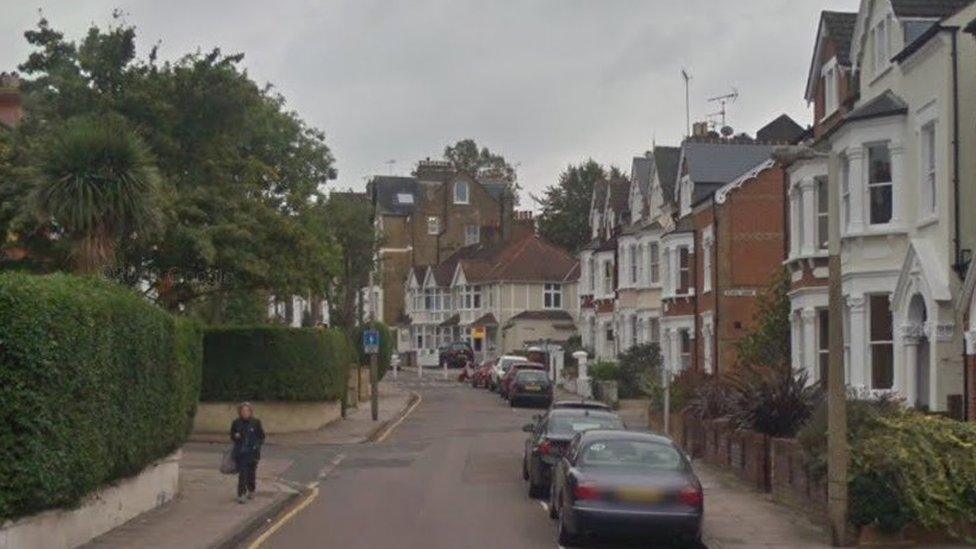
column 460, row 192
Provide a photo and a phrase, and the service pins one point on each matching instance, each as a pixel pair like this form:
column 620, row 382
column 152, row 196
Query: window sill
column 927, row 221
column 877, row 230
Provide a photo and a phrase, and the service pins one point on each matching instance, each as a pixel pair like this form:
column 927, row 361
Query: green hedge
column 386, row 345
column 95, row 383
column 274, row 363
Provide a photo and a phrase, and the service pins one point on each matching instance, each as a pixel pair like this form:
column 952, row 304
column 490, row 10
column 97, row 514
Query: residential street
column 449, row 477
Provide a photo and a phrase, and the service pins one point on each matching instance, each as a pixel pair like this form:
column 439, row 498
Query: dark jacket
column 247, row 446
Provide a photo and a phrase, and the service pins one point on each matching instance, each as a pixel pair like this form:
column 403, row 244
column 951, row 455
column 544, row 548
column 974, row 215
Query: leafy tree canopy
column 769, row 343
column 238, row 171
column 566, row 205
column 466, row 156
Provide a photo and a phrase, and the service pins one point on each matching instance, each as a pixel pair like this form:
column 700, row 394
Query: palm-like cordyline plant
column 98, row 186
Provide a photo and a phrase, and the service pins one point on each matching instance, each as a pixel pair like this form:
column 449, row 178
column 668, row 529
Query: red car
column 482, row 374
column 506, row 383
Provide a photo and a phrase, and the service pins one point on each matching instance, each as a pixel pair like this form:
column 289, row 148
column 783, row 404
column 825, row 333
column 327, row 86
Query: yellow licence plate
column 533, row 388
column 639, row 495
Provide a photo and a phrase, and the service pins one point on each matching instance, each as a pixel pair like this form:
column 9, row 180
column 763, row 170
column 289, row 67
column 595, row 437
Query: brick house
column 424, row 218
column 725, row 247
column 498, row 296
column 11, row 101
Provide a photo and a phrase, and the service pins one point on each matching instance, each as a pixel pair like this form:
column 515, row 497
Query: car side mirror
column 528, row 427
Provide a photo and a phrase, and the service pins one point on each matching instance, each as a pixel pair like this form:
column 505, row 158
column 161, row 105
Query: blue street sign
column 371, row 341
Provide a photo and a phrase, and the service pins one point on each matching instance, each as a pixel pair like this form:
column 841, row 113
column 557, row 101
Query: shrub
column 387, row 345
column 274, row 363
column 637, row 364
column 712, row 399
column 604, row 371
column 914, row 468
column 95, row 383
column 683, row 386
column 771, row 401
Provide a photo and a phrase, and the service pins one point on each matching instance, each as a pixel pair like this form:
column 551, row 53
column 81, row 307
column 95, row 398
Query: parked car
column 482, row 374
column 625, row 483
column 454, row 354
column 506, row 382
column 501, row 368
column 580, row 403
column 551, row 436
column 530, row 386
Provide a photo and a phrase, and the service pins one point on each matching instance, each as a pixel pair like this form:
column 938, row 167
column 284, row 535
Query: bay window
column 684, row 270
column 607, row 277
column 823, row 344
column 633, row 264
column 823, row 225
column 654, row 264
column 879, row 183
column 845, row 192
column 685, row 349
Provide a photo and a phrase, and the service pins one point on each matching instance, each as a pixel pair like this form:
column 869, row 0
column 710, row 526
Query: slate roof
column 927, row 8
column 840, row 26
column 712, row 164
column 666, row 164
column 487, row 319
column 781, row 130
column 384, row 190
column 555, row 314
column 642, row 170
column 886, row 104
column 528, row 259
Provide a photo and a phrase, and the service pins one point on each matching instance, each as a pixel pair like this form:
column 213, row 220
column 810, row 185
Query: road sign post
column 371, row 345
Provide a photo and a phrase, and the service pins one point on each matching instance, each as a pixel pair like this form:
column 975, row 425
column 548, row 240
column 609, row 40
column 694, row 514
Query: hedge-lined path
column 206, row 515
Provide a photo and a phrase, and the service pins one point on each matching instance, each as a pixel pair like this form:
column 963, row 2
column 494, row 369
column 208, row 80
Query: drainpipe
column 955, row 148
column 716, row 323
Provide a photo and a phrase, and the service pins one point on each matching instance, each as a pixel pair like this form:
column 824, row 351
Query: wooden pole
column 837, row 451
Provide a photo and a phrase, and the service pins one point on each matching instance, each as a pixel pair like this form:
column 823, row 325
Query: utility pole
column 837, row 451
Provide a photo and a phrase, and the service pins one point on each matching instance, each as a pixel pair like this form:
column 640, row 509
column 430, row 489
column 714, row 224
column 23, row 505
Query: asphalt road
column 448, row 476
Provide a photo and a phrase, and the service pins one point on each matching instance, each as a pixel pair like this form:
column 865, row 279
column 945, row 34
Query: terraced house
column 893, row 128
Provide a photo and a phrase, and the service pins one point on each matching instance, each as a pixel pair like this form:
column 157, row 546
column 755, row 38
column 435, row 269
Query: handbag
column 228, row 465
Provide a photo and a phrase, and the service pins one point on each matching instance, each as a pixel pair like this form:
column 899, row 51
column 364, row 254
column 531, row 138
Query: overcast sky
column 545, row 83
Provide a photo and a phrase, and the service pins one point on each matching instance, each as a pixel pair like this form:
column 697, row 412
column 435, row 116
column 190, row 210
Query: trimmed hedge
column 95, row 383
column 274, row 363
column 386, row 345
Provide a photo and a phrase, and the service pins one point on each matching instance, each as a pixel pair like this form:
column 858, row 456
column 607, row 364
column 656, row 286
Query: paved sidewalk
column 205, row 513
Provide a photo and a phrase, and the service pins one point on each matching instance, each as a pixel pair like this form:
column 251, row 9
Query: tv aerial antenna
column 723, row 100
column 389, row 165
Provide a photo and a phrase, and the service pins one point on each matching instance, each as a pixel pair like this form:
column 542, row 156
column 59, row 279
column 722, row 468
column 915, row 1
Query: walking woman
column 248, row 436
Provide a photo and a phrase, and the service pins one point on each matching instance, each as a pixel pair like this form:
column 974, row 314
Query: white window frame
column 845, row 192
column 707, row 245
column 822, row 208
column 433, row 225
column 869, row 186
column 872, row 343
column 462, row 192
column 552, row 297
column 928, row 164
column 634, row 330
column 830, row 72
column 679, row 270
column 607, row 277
column 632, row 252
column 655, row 263
column 472, row 236
column 640, row 264
column 684, row 337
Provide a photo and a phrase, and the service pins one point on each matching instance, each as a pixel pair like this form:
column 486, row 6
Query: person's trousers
column 247, row 471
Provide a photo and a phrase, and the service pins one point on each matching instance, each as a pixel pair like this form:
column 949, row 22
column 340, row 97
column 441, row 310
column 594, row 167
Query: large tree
column 237, row 169
column 564, row 220
column 349, row 216
column 768, row 344
column 466, row 156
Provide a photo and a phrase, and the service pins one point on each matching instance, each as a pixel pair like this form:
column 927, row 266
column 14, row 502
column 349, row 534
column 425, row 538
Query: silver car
column 501, row 368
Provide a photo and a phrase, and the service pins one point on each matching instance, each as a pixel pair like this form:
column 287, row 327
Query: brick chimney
column 11, row 102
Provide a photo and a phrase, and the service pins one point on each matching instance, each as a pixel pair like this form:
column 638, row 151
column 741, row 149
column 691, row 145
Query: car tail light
column 691, row 496
column 545, row 448
column 586, row 492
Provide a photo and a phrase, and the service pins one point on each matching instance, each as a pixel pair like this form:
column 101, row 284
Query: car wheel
column 565, row 537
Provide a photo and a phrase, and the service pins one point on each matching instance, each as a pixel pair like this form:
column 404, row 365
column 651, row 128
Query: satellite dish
column 727, row 131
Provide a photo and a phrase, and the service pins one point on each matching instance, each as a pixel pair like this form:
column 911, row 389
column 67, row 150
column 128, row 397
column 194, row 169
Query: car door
column 559, row 472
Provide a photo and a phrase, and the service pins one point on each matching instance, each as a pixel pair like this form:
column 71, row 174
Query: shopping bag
column 228, row 465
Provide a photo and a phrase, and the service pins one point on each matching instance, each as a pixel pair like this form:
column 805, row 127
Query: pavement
column 205, row 513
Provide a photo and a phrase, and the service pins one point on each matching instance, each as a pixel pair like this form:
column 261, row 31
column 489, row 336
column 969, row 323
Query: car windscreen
column 636, row 454
column 532, row 376
column 577, row 423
